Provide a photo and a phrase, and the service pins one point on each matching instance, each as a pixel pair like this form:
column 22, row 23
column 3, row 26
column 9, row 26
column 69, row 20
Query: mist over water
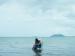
column 63, row 46
column 22, row 46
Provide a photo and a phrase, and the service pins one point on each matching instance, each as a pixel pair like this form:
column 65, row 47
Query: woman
column 37, row 46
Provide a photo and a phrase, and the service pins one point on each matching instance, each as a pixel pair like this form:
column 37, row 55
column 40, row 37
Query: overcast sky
column 37, row 17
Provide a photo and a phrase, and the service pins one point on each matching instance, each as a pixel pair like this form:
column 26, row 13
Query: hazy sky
column 37, row 17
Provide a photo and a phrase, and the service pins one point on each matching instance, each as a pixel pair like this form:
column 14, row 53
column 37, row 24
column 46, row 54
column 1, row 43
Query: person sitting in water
column 37, row 45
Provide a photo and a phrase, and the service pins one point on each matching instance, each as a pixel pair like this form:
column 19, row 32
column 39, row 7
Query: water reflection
column 38, row 54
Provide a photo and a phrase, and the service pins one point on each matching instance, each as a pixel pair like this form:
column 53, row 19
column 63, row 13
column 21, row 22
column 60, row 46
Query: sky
column 37, row 17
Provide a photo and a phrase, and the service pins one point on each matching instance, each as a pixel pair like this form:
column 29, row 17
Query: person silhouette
column 37, row 46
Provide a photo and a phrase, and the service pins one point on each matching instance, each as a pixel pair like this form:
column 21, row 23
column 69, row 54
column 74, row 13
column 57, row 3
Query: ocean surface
column 22, row 46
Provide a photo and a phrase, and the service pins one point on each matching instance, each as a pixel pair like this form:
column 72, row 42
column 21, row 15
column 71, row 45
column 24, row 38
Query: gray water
column 20, row 46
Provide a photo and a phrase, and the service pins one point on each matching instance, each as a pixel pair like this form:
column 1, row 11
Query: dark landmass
column 57, row 35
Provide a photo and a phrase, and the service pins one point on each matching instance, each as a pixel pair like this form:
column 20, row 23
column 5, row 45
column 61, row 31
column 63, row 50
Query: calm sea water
column 20, row 46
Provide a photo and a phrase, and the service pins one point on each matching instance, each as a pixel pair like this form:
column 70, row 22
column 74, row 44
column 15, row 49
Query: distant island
column 57, row 35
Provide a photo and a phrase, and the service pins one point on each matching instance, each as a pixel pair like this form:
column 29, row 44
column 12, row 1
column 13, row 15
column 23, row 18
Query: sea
column 52, row 46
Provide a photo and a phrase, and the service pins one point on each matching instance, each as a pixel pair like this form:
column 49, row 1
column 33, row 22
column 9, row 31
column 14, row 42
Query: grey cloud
column 38, row 16
column 3, row 2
